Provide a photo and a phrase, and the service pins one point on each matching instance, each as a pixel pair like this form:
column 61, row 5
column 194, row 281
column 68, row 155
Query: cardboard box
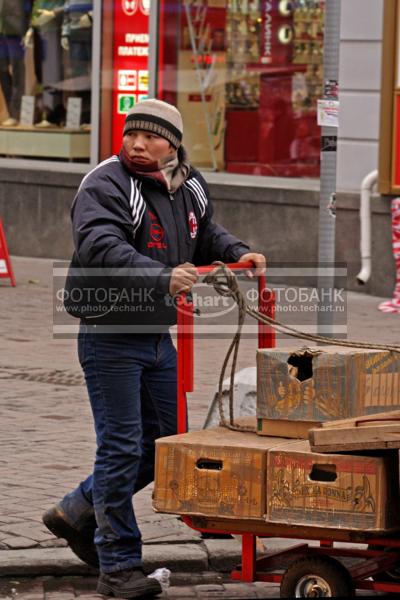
column 215, row 472
column 332, row 490
column 285, row 428
column 314, row 385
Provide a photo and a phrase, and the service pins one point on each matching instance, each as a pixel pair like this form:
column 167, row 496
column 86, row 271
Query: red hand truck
column 302, row 570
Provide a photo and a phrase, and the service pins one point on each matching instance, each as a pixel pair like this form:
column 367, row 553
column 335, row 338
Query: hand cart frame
column 378, row 567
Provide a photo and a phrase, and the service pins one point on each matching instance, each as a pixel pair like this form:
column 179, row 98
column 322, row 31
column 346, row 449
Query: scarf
column 171, row 171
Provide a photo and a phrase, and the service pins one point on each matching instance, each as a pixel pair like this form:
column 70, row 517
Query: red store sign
column 130, row 60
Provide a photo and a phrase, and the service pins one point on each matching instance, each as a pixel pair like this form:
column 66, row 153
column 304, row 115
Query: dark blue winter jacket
column 128, row 234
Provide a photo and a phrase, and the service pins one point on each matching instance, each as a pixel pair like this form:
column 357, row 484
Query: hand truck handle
column 203, row 270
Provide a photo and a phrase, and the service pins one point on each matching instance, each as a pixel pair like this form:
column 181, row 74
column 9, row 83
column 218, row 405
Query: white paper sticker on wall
column 127, row 80
column 3, row 266
column 74, row 113
column 27, row 110
column 328, row 113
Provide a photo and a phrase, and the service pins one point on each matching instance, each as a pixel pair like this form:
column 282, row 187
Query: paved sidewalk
column 70, row 588
column 46, row 437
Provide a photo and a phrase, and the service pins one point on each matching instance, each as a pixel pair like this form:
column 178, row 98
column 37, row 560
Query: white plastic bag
column 162, row 575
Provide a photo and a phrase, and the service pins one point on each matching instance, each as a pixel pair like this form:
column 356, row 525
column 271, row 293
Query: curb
column 221, row 555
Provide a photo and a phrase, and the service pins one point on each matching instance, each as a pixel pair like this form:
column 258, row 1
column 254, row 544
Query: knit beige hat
column 156, row 116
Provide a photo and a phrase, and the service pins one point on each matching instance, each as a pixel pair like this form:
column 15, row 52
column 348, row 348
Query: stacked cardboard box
column 212, row 472
column 299, row 389
column 270, row 479
column 242, row 476
column 331, row 490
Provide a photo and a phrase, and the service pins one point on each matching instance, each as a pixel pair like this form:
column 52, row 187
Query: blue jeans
column 131, row 380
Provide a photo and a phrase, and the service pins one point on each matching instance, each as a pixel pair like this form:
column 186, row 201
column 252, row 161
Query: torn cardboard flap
column 300, row 364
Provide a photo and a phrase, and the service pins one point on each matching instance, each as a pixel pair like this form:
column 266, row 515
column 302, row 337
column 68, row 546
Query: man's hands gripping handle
column 184, row 276
column 258, row 260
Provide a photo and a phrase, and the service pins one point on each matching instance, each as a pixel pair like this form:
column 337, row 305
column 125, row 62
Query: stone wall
column 361, row 32
column 282, row 223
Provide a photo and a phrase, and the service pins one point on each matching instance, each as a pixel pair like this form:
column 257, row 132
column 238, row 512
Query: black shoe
column 79, row 540
column 130, row 583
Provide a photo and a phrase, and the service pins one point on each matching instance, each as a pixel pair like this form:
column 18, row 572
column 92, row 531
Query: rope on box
column 226, row 284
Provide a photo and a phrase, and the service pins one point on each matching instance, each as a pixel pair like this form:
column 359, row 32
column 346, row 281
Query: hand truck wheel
column 316, row 577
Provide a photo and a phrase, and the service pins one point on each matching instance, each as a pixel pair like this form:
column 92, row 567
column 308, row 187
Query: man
column 141, row 220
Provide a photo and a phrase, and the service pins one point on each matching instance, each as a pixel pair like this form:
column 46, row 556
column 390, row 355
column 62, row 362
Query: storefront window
column 130, row 68
column 246, row 75
column 45, row 79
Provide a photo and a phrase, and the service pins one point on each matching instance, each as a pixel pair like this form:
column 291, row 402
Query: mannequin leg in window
column 52, row 109
column 12, row 76
column 80, row 55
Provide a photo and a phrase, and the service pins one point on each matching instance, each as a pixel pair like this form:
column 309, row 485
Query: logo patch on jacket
column 192, row 225
column 157, row 233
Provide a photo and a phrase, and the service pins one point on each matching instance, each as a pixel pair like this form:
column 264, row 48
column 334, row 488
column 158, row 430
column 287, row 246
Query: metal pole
column 95, row 83
column 153, row 48
column 327, row 207
column 202, row 80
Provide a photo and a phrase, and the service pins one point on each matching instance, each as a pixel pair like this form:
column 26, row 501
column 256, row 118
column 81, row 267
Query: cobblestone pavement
column 46, row 435
column 65, row 588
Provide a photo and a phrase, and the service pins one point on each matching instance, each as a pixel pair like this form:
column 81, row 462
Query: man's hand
column 183, row 278
column 259, row 261
column 85, row 21
column 27, row 40
column 65, row 43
